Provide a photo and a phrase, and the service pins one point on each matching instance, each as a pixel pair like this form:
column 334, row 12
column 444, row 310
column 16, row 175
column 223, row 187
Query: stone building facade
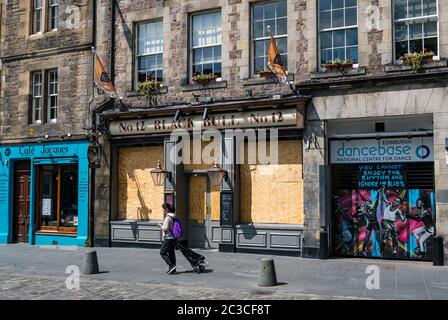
column 47, row 92
column 376, row 97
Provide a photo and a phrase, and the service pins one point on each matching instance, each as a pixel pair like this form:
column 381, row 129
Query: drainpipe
column 112, row 41
column 94, row 124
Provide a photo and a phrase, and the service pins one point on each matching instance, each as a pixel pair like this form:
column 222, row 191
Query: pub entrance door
column 21, row 207
column 202, row 211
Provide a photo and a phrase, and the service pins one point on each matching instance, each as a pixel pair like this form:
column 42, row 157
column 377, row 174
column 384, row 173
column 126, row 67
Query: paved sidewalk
column 28, row 272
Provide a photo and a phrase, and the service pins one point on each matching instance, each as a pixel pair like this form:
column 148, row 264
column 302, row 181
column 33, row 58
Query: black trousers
column 167, row 252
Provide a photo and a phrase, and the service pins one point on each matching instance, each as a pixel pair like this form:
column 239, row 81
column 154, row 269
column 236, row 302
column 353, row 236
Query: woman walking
column 169, row 241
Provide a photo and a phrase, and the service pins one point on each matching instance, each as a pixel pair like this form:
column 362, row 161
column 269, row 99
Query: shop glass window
column 206, row 43
column 338, row 30
column 415, row 26
column 274, row 15
column 52, row 86
column 37, row 97
column 53, row 8
column 38, row 8
column 58, row 198
column 150, row 51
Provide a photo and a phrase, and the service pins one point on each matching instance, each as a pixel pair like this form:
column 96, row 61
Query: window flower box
column 201, row 78
column 338, row 65
column 266, row 74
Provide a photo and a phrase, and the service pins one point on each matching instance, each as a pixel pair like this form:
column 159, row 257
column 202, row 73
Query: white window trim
column 49, row 18
column 49, row 119
column 40, row 97
column 33, row 17
column 192, row 48
column 253, row 39
column 137, row 55
column 436, row 58
column 320, row 67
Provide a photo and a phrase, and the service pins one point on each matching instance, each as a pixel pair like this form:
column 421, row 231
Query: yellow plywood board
column 139, row 198
column 273, row 193
column 198, row 199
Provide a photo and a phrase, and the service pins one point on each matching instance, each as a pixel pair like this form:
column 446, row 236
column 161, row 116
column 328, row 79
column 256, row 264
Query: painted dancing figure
column 388, row 223
column 422, row 234
column 367, row 213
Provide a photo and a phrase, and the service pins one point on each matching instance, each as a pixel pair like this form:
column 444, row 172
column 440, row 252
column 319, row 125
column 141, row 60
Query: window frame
column 191, row 48
column 58, row 228
column 253, row 40
column 422, row 18
column 136, row 48
column 331, row 29
column 34, row 15
column 50, row 16
column 50, row 95
column 41, row 97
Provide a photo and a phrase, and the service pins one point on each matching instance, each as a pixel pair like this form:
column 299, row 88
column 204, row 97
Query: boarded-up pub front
column 258, row 206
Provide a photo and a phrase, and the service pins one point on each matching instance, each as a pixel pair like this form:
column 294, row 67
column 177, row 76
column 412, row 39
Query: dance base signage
column 416, row 149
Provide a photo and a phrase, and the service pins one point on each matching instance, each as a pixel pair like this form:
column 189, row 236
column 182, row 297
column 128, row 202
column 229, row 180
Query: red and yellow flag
column 102, row 79
column 275, row 61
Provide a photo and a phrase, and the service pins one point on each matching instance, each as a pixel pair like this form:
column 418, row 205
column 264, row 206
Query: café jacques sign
column 250, row 119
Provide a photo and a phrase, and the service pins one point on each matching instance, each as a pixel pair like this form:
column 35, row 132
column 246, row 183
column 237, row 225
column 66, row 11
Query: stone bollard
column 267, row 276
column 90, row 263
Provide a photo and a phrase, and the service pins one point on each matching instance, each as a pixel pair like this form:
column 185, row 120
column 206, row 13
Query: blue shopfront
column 44, row 193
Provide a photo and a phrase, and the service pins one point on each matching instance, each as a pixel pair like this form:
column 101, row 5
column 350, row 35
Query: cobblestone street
column 21, row 287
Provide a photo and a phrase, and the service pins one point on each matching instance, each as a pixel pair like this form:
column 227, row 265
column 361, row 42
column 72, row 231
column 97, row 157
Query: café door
column 203, row 211
column 21, row 213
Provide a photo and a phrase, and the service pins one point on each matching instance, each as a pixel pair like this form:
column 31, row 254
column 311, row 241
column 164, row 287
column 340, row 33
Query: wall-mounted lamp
column 216, row 174
column 159, row 175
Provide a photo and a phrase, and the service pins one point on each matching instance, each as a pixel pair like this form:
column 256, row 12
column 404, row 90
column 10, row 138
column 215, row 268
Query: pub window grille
column 274, row 15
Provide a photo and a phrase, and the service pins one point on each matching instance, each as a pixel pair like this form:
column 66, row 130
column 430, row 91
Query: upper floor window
column 44, row 92
column 415, row 26
column 38, row 8
column 338, row 30
column 206, row 42
column 150, row 51
column 269, row 16
column 53, row 8
column 45, row 10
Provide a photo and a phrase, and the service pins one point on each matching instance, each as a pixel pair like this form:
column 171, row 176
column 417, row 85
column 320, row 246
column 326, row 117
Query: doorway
column 21, row 207
column 203, row 212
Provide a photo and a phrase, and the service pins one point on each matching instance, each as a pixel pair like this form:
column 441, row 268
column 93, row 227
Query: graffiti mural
column 389, row 223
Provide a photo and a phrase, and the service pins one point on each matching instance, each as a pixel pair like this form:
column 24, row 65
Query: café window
column 149, row 51
column 206, row 42
column 272, row 15
column 415, row 27
column 338, row 30
column 58, row 198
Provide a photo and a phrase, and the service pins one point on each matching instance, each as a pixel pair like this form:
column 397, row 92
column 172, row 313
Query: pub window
column 37, row 97
column 53, row 8
column 58, row 198
column 272, row 15
column 206, row 43
column 338, row 30
column 38, row 9
column 150, row 51
column 415, row 27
